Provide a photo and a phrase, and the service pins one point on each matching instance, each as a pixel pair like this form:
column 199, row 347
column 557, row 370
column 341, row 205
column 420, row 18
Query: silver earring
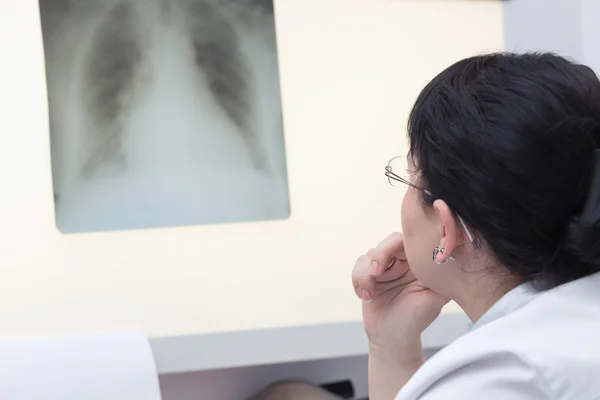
column 440, row 250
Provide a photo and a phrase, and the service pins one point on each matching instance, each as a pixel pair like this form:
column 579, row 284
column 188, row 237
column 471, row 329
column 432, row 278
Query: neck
column 482, row 291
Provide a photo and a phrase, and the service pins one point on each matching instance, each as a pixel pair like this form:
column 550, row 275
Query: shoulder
column 546, row 350
column 472, row 368
column 496, row 374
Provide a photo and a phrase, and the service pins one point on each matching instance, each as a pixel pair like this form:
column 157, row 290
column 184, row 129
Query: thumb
column 385, row 255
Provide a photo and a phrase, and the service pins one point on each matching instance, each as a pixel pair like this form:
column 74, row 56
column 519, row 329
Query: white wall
column 350, row 70
column 590, row 28
column 568, row 27
column 553, row 25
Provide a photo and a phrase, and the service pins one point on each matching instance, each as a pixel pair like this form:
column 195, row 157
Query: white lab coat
column 527, row 346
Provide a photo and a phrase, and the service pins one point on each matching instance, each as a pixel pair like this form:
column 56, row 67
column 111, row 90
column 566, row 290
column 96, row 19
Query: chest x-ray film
column 163, row 113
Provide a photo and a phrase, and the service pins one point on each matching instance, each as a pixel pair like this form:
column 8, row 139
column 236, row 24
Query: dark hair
column 509, row 142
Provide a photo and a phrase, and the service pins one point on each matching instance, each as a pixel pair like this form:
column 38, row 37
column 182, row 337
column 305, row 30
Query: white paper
column 106, row 366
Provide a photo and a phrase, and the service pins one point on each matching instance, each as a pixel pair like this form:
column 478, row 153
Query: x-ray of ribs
column 109, row 83
column 112, row 72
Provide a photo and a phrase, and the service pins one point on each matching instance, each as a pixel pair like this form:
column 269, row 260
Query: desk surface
column 280, row 345
column 347, row 85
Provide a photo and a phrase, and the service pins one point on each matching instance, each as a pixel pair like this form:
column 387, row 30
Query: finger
column 376, row 268
column 383, row 256
column 364, row 284
column 398, row 269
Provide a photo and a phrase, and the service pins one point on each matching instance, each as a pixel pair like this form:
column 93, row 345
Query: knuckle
column 362, row 259
column 364, row 282
column 360, row 267
column 379, row 255
column 396, row 235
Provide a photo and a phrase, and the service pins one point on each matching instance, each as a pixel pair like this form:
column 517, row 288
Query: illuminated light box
column 348, row 74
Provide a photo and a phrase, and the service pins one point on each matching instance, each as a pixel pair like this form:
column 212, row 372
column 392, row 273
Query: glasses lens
column 397, row 171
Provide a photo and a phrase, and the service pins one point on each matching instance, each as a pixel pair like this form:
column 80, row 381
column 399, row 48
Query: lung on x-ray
column 163, row 113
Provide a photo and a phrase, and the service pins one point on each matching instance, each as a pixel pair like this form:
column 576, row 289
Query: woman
column 501, row 215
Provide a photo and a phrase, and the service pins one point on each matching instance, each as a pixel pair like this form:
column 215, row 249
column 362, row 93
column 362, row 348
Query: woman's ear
column 450, row 230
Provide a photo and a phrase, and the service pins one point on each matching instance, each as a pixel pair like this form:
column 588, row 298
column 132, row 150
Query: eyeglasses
column 393, row 177
column 396, row 177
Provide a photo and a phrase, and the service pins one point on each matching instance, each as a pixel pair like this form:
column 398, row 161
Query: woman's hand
column 397, row 308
